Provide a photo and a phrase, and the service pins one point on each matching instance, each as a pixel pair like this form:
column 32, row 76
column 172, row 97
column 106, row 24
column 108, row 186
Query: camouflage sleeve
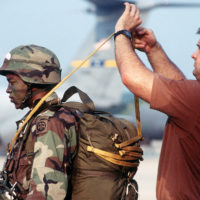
column 55, row 143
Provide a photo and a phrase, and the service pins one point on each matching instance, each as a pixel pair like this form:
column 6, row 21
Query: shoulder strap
column 87, row 103
column 77, row 106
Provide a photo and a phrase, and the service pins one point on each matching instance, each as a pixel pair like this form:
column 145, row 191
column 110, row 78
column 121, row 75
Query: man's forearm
column 162, row 65
column 134, row 74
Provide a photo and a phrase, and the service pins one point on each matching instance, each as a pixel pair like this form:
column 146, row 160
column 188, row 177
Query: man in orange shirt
column 167, row 90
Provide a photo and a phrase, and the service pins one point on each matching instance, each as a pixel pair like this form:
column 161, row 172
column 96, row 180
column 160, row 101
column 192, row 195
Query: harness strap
column 119, row 162
column 132, row 154
column 77, row 106
column 113, row 155
column 114, row 158
column 129, row 142
column 137, row 113
column 10, row 191
column 83, row 96
column 132, row 149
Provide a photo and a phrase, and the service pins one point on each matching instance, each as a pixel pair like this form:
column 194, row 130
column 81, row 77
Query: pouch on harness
column 108, row 154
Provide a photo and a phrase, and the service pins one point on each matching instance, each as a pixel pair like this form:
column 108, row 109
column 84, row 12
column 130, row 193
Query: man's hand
column 144, row 39
column 130, row 19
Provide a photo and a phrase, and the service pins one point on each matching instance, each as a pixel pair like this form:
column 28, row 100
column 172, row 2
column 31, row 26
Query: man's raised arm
column 145, row 40
column 134, row 74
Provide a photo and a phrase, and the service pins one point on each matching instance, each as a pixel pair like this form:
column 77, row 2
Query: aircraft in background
column 99, row 76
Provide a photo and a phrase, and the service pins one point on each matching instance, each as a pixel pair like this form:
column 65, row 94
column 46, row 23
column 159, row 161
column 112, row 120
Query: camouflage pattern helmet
column 33, row 64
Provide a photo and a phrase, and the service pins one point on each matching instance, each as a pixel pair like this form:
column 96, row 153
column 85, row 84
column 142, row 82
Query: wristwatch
column 124, row 32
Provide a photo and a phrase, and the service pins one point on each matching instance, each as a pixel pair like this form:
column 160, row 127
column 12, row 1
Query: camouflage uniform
column 44, row 173
column 40, row 163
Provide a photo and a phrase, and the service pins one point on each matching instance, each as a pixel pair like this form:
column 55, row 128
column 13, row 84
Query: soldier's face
column 16, row 89
column 196, row 57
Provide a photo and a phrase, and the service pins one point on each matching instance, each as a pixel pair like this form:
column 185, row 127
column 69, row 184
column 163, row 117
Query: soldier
column 39, row 165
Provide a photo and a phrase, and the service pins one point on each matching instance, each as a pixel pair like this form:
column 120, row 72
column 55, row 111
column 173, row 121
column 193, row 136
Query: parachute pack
column 108, row 153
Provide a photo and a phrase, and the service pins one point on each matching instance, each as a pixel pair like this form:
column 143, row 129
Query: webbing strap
column 131, row 153
column 111, row 155
column 132, row 149
column 128, row 142
column 83, row 96
column 137, row 113
column 136, row 101
column 119, row 162
column 3, row 196
column 114, row 158
column 76, row 105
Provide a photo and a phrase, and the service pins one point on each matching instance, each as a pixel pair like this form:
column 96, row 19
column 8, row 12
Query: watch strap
column 123, row 32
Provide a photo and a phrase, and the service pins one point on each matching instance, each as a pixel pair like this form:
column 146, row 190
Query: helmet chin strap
column 28, row 96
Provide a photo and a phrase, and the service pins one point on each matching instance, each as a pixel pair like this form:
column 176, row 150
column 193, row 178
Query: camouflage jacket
column 43, row 168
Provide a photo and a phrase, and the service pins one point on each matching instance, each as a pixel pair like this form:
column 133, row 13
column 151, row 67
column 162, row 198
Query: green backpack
column 108, row 153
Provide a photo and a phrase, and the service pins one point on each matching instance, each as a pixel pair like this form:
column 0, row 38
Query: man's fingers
column 133, row 10
column 139, row 31
column 138, row 41
column 127, row 8
column 130, row 18
column 130, row 9
column 139, row 46
column 137, row 12
column 140, row 28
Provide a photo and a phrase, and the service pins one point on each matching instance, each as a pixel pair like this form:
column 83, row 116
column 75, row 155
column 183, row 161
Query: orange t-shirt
column 179, row 166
